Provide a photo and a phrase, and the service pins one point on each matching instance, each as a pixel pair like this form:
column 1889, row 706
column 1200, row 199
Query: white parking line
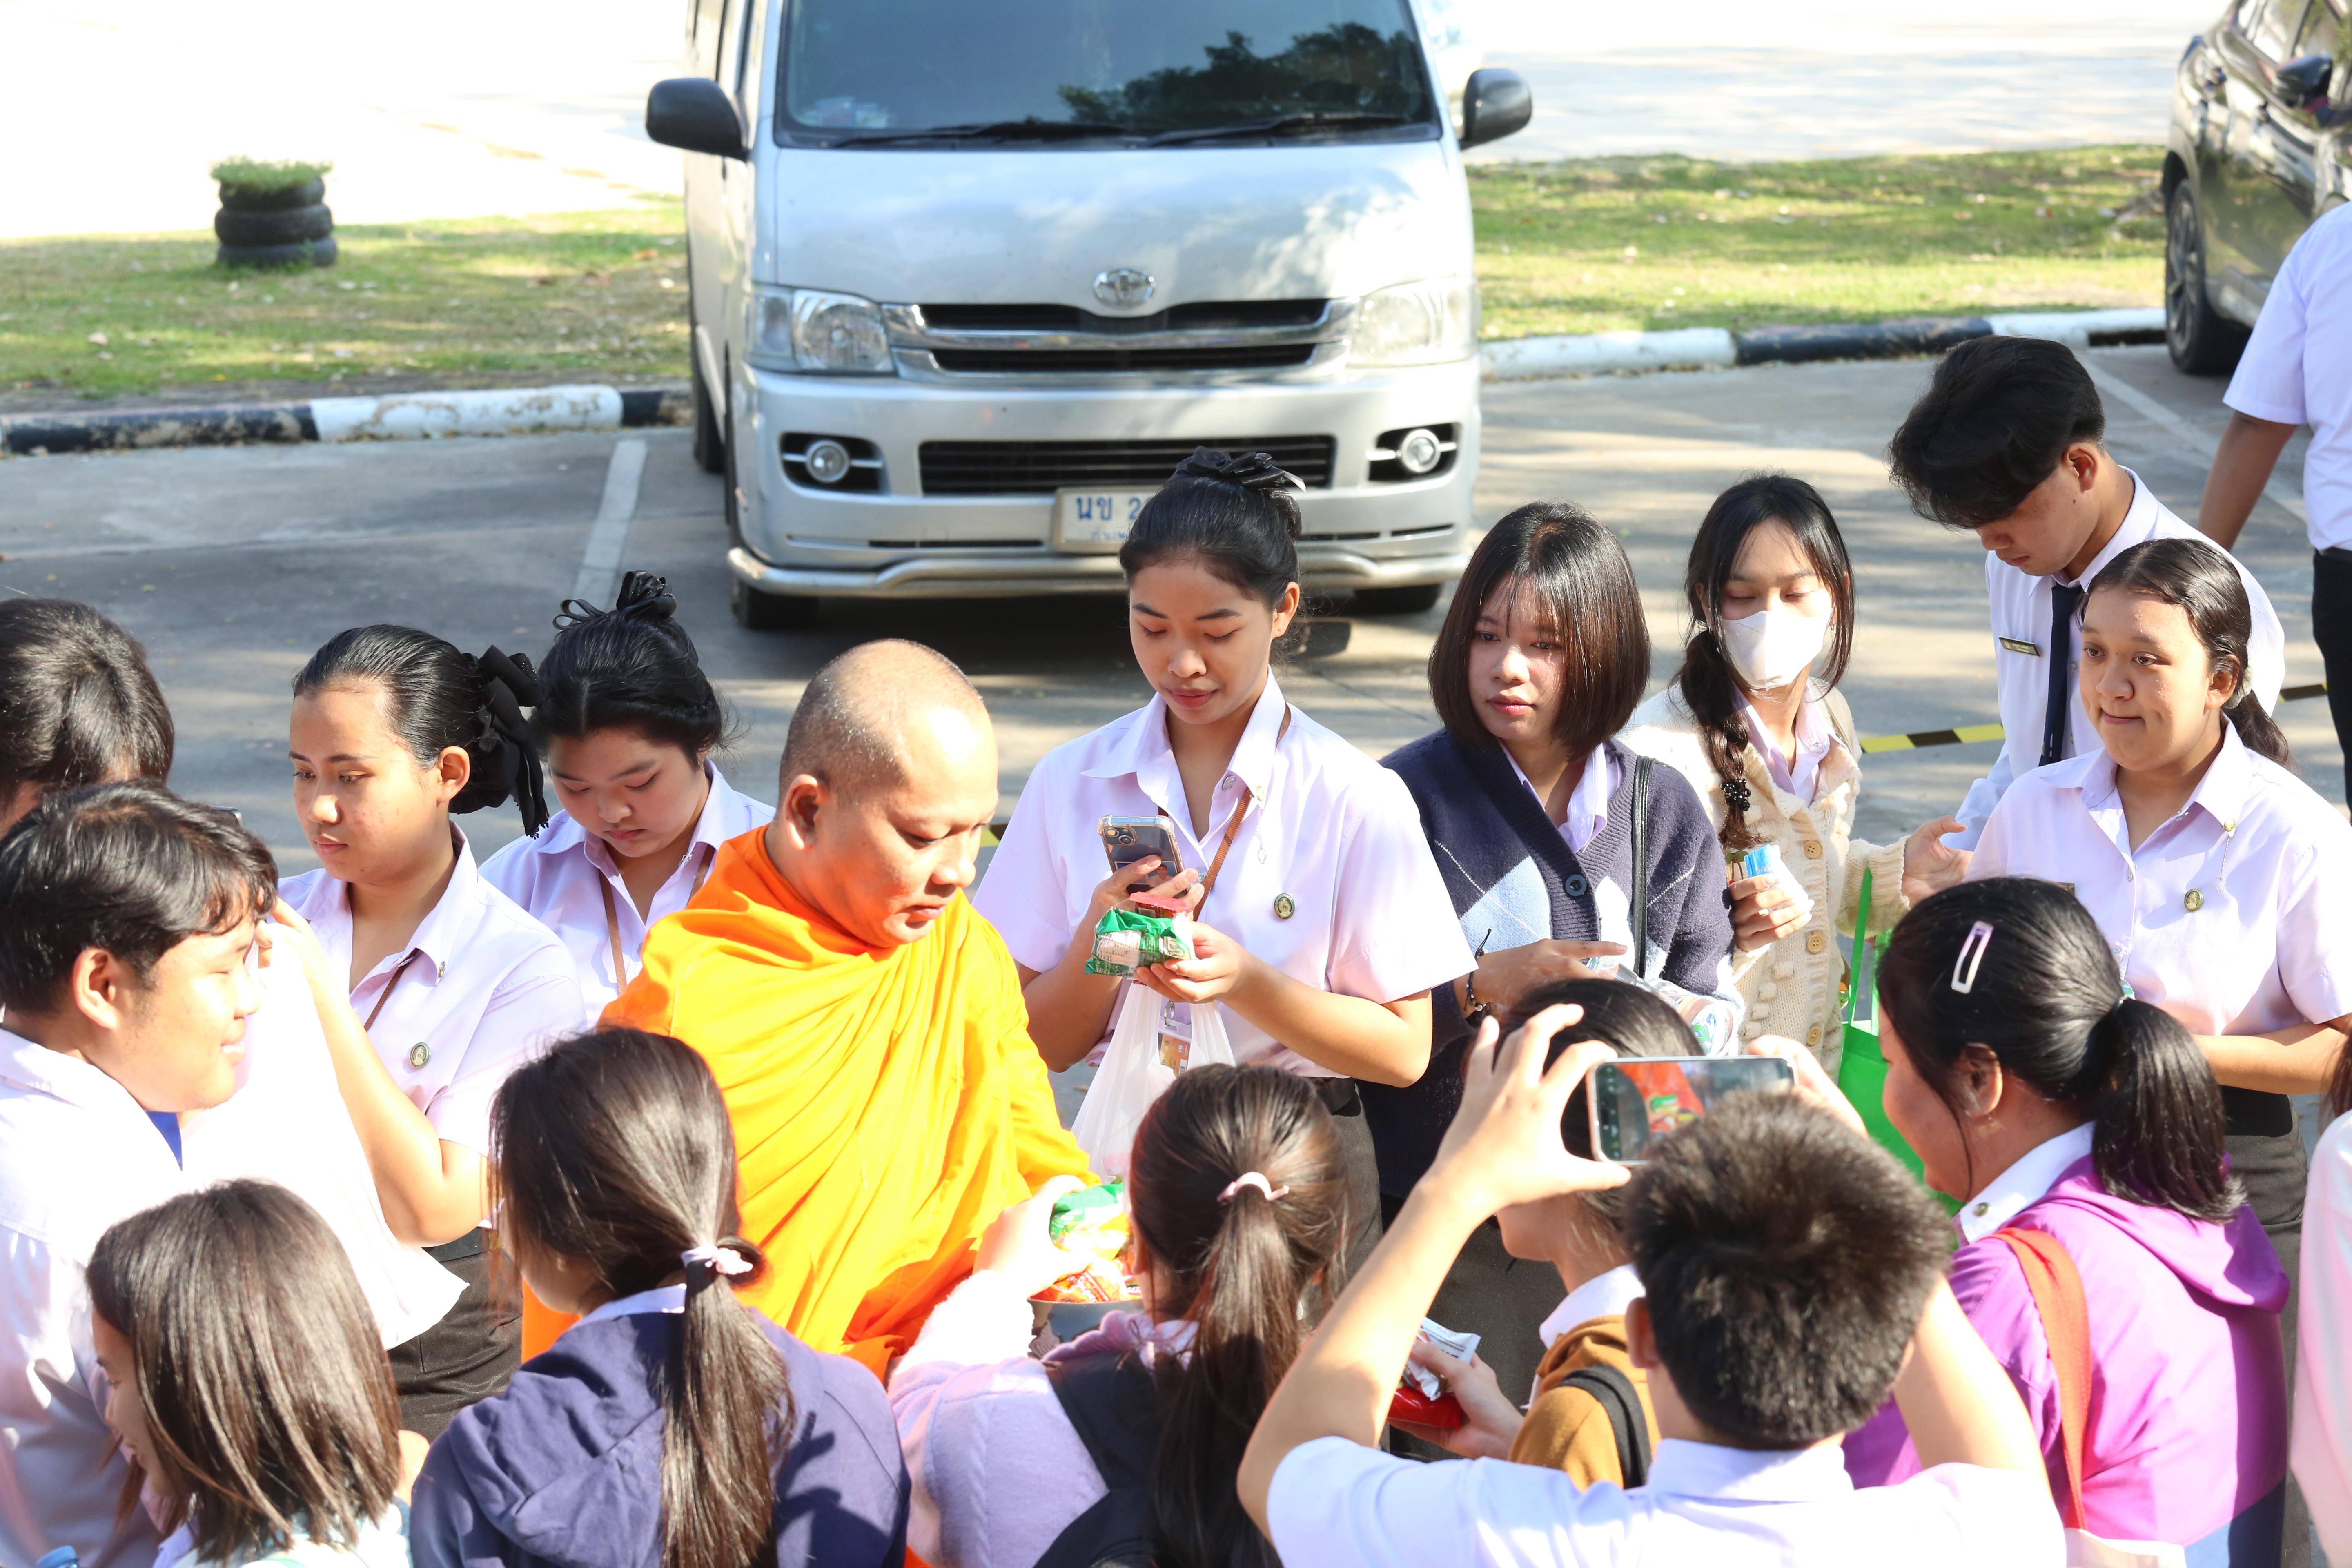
column 2198, row 441
column 600, row 564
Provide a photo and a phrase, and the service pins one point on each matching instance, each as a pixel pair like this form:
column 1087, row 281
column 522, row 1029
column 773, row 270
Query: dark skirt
column 472, row 1351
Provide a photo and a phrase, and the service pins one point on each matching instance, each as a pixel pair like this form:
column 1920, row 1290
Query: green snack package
column 1127, row 940
column 1086, row 1209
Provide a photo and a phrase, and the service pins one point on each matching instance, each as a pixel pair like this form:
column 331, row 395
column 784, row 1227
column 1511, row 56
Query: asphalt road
column 232, row 565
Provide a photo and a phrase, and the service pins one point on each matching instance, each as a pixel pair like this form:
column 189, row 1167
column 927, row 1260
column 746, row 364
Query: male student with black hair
column 1762, row 1218
column 2009, row 440
column 127, row 927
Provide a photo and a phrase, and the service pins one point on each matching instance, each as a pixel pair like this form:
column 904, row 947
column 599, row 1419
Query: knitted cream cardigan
column 1791, row 987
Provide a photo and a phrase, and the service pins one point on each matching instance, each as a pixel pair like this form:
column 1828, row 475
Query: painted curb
column 397, row 416
column 1709, row 348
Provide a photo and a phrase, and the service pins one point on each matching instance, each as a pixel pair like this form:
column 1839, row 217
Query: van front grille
column 1200, row 316
column 1041, row 467
column 1015, row 361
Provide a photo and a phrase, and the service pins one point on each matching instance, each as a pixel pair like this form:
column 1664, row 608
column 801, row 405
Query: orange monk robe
column 888, row 1103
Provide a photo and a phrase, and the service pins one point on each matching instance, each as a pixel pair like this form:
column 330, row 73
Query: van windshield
column 886, row 73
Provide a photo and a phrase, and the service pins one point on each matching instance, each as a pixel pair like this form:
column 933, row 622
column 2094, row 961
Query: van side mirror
column 1495, row 103
column 2301, row 80
column 694, row 115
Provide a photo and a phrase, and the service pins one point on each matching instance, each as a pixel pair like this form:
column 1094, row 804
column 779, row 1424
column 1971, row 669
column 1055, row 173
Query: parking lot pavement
column 232, row 565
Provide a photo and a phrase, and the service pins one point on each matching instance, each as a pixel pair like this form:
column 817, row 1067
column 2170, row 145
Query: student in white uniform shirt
column 128, row 921
column 2297, row 370
column 629, row 721
column 1324, row 924
column 2320, row 1450
column 1752, row 1226
column 2216, row 874
column 2009, row 441
column 449, row 984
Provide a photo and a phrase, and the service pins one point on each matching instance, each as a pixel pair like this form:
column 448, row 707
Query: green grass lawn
column 1605, row 244
column 1591, row 244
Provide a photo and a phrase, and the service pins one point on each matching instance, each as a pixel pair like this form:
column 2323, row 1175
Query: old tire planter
column 273, row 228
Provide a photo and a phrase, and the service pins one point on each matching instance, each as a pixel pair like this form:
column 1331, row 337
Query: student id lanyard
column 613, row 920
column 420, row 1055
column 1233, row 827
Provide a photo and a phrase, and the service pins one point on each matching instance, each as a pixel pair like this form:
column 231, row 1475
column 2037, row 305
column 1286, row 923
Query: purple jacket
column 2186, row 1439
column 564, row 1468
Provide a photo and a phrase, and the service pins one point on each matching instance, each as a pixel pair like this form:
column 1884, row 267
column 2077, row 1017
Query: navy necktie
column 2057, row 722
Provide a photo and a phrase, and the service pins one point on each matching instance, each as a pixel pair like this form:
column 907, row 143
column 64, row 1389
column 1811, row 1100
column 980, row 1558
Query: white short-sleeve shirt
column 481, row 989
column 77, row 1153
column 1330, row 836
column 2021, row 630
column 2266, row 862
column 562, row 876
column 2297, row 370
column 1337, row 1504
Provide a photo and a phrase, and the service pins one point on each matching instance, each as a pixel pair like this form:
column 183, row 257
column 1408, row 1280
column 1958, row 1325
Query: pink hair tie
column 1251, row 1179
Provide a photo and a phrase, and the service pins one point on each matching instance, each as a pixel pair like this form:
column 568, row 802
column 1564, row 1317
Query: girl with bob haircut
column 671, row 1424
column 1239, row 1208
column 2215, row 874
column 628, row 721
column 2048, row 1099
column 78, row 704
column 1531, row 808
column 1754, row 723
column 432, row 984
column 1322, row 925
column 248, row 1381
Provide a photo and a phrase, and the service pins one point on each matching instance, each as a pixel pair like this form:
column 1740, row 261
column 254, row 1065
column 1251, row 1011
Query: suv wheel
column 1409, row 601
column 758, row 611
column 2201, row 341
column 709, row 439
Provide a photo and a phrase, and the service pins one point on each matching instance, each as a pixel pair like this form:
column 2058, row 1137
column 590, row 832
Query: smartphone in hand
column 1636, row 1100
column 1127, row 839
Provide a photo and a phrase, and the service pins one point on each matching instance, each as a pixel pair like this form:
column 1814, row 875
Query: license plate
column 1096, row 522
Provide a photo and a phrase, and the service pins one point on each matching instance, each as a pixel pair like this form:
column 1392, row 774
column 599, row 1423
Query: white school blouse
column 481, row 989
column 2021, row 630
column 2297, row 370
column 561, row 877
column 2265, row 861
column 1330, row 836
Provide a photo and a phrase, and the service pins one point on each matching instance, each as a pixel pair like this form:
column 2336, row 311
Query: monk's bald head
column 868, row 716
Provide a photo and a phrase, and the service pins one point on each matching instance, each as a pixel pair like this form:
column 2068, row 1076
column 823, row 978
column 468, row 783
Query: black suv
column 2261, row 144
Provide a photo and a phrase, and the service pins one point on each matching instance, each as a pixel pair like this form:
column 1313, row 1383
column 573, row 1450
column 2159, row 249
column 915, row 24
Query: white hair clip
column 725, row 1260
column 1971, row 958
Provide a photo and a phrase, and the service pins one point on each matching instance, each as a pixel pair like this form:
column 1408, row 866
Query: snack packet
column 1714, row 1021
column 1092, row 1219
column 1100, row 1280
column 1127, row 940
column 1764, row 861
column 1421, row 1396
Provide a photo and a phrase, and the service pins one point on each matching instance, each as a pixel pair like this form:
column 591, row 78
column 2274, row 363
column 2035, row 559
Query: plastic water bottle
column 59, row 1557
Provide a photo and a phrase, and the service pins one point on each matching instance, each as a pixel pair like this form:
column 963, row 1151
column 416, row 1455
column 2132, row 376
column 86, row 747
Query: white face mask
column 1775, row 646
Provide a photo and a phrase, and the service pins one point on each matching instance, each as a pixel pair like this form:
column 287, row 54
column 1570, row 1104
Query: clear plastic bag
column 1136, row 1070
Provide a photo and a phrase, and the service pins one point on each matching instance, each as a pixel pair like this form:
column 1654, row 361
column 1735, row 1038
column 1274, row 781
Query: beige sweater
column 1791, row 987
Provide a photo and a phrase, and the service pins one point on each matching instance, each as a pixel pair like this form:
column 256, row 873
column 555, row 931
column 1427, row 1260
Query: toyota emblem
column 1125, row 287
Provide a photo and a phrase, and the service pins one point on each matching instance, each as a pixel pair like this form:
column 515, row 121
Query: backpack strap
column 1640, row 847
column 1628, row 1422
column 1113, row 1405
column 2057, row 1287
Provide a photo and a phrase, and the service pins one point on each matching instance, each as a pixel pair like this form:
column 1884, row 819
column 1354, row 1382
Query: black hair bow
column 643, row 596
column 507, row 752
column 1251, row 470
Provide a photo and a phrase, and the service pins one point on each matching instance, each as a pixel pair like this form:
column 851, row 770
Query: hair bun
column 643, row 596
column 506, row 756
column 1254, row 471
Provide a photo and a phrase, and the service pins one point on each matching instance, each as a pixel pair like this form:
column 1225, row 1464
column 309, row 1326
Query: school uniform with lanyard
column 479, row 989
column 569, row 879
column 1313, row 858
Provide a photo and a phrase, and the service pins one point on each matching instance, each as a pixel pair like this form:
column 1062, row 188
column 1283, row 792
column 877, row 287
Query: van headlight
column 1416, row 323
column 809, row 329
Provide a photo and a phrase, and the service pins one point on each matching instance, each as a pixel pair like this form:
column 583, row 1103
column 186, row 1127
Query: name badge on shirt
column 2018, row 645
column 1175, row 1035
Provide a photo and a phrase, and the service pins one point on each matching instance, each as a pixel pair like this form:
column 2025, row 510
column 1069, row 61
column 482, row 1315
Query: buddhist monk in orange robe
column 863, row 1021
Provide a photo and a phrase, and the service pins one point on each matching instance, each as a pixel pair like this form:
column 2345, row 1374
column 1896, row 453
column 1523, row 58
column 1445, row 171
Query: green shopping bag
column 1862, row 1071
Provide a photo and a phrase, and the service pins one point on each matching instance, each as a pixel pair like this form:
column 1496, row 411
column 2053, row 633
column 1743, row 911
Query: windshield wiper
column 1280, row 125
column 995, row 131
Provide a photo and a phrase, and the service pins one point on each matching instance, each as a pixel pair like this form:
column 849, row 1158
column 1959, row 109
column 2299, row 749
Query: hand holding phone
column 1127, row 840
column 1635, row 1102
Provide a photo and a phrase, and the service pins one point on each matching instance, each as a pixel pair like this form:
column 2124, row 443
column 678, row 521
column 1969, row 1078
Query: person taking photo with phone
column 1321, row 924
